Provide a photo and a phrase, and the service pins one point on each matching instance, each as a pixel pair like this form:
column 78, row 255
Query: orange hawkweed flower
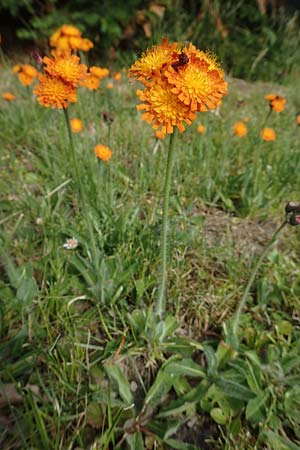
column 76, row 125
column 26, row 73
column 178, row 83
column 201, row 129
column 91, row 82
column 117, row 76
column 240, row 129
column 66, row 67
column 103, row 152
column 8, row 96
column 109, row 86
column 99, row 72
column 268, row 134
column 276, row 102
column 298, row 120
column 54, row 92
column 160, row 134
column 67, row 38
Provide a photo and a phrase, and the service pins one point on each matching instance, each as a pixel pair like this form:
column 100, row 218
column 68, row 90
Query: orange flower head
column 298, row 120
column 68, row 37
column 76, row 125
column 195, row 83
column 99, row 72
column 276, row 102
column 240, row 129
column 29, row 70
column 69, row 30
column 201, row 129
column 164, row 108
column 151, row 63
column 17, row 68
column 66, row 67
column 103, row 152
column 85, row 45
column 8, row 96
column 268, row 134
column 178, row 83
column 109, row 86
column 54, row 92
column 91, row 82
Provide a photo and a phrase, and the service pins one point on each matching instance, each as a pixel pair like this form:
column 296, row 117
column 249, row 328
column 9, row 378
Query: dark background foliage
column 253, row 42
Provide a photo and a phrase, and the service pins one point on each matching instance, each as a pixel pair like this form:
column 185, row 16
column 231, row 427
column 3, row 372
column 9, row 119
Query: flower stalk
column 236, row 319
column 161, row 299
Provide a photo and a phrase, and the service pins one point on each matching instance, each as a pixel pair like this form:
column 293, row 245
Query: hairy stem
column 161, row 299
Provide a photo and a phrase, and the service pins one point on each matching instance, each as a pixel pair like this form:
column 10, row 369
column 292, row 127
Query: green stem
column 241, row 305
column 79, row 183
column 161, row 300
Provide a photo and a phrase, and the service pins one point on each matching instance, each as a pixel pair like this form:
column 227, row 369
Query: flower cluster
column 63, row 74
column 26, row 73
column 276, row 102
column 178, row 81
column 68, row 38
column 95, row 75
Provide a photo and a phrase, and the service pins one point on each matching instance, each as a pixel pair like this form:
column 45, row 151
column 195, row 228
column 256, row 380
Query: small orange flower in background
column 103, row 152
column 298, row 120
column 201, row 129
column 91, row 82
column 76, row 125
column 245, row 119
column 26, row 73
column 8, row 96
column 109, row 86
column 160, row 135
column 268, row 134
column 117, row 76
column 68, row 38
column 178, row 81
column 240, row 129
column 99, row 72
column 276, row 102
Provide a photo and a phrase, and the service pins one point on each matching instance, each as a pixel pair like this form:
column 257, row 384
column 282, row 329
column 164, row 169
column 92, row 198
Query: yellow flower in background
column 103, row 152
column 99, row 72
column 268, row 134
column 8, row 96
column 240, row 129
column 54, row 92
column 178, row 81
column 76, row 125
column 66, row 67
column 109, row 86
column 68, row 38
column 91, row 82
column 201, row 129
column 276, row 102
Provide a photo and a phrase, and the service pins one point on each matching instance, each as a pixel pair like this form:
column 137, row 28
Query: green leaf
column 211, row 359
column 279, row 442
column 233, row 389
column 179, row 445
column 135, row 441
column 115, row 373
column 254, row 408
column 186, row 367
column 94, row 415
column 161, row 385
column 218, row 416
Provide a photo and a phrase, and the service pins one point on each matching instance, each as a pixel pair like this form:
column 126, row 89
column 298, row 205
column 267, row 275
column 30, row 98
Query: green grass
column 64, row 313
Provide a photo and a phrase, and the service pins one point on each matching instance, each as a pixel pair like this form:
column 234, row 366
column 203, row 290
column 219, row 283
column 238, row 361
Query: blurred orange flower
column 76, row 125
column 160, row 134
column 68, row 38
column 55, row 92
column 117, row 76
column 268, row 134
column 276, row 102
column 91, row 82
column 179, row 81
column 109, row 86
column 201, row 129
column 103, row 152
column 26, row 73
column 298, row 120
column 99, row 72
column 240, row 129
column 8, row 96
